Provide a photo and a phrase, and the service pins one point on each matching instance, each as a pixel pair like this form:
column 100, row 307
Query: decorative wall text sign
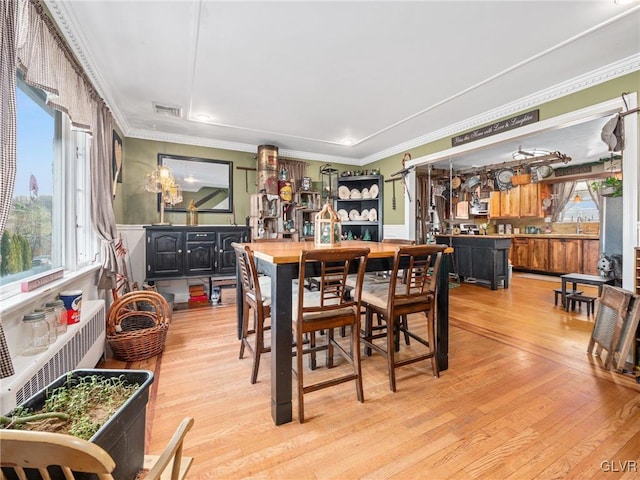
column 498, row 127
column 561, row 172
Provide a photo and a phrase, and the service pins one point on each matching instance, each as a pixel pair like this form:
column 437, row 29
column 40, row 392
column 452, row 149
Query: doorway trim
column 631, row 229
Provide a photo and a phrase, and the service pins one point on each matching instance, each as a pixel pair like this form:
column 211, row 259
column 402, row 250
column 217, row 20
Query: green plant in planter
column 78, row 408
column 610, row 187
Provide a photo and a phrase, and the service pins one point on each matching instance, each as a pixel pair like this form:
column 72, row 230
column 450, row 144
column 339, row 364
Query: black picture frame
column 207, row 181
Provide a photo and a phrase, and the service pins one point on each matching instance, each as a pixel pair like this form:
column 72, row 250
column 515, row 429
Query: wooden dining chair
column 397, row 299
column 254, row 300
column 33, row 452
column 325, row 309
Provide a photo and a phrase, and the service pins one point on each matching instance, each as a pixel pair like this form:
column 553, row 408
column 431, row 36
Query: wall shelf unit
column 358, row 195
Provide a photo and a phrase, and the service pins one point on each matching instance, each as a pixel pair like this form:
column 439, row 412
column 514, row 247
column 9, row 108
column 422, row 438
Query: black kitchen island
column 483, row 257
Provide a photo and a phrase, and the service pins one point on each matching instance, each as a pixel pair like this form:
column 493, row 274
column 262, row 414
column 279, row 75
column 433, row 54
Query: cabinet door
column 463, row 256
column 165, row 254
column 200, row 253
column 226, row 256
column 529, row 200
column 520, row 253
column 510, row 203
column 494, row 204
column 539, row 254
column 590, row 256
column 565, row 255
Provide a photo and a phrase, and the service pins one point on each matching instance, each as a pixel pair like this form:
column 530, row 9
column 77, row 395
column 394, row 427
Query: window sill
column 20, row 300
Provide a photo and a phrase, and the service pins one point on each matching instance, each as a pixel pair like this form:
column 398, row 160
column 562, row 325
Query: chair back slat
column 334, row 267
column 421, row 272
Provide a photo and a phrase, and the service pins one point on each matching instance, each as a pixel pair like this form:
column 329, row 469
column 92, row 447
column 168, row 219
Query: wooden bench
column 574, row 298
column 558, row 294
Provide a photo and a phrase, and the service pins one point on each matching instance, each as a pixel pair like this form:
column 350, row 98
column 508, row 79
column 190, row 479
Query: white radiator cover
column 81, row 346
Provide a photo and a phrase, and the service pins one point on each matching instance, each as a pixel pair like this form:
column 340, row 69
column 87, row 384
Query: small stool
column 558, row 293
column 575, row 297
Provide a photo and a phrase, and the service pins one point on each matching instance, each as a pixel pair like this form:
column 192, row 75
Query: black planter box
column 122, row 436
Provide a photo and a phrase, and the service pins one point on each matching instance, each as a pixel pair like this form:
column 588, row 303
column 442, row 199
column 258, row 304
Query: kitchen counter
column 529, row 235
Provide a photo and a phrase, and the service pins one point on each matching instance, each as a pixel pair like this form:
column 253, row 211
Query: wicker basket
column 137, row 325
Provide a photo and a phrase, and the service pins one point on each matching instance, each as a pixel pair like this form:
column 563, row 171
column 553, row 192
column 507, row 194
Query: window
column 581, row 207
column 49, row 224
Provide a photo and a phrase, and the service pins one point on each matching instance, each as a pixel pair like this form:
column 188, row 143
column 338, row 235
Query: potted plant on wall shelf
column 609, row 187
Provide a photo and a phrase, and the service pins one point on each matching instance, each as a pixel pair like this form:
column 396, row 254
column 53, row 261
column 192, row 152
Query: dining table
column 279, row 261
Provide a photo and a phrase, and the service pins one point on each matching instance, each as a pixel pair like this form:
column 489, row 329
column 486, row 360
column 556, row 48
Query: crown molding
column 72, row 32
column 604, row 74
column 236, row 146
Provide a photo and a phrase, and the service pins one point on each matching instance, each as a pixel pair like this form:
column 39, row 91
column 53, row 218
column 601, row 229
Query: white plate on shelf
column 373, row 191
column 373, row 215
column 344, row 216
column 354, row 214
column 355, row 193
column 364, row 215
column 343, row 192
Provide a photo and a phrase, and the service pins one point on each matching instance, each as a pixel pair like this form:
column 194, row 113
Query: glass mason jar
column 38, row 332
column 61, row 315
column 52, row 319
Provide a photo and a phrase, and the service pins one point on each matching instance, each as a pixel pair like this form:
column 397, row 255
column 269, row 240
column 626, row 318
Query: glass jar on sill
column 38, row 327
column 52, row 320
column 61, row 315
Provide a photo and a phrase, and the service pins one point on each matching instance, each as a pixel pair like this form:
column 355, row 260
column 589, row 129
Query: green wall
column 133, row 205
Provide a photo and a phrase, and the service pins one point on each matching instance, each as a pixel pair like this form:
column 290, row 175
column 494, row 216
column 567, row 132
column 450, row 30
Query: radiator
column 81, row 346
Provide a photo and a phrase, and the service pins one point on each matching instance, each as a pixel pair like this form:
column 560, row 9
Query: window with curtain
column 49, row 222
column 581, row 207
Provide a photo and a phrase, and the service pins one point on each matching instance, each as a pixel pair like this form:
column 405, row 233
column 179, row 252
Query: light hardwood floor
column 521, row 399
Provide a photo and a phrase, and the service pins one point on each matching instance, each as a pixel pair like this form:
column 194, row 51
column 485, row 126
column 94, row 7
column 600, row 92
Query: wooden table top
column 289, row 252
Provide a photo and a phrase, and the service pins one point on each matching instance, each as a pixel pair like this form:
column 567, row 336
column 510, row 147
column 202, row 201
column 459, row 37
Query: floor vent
column 82, row 350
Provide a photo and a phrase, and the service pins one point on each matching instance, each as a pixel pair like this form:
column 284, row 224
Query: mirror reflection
column 207, row 182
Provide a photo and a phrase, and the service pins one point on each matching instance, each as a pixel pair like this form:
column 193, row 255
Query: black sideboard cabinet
column 191, row 251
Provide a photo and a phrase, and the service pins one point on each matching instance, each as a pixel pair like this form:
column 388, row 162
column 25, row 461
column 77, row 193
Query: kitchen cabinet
column 354, row 204
column 531, row 198
column 565, row 255
column 538, row 254
column 510, row 203
column 191, row 251
column 521, row 201
column 520, row 253
column 590, row 257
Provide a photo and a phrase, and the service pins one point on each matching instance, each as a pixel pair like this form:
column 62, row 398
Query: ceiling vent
column 167, row 111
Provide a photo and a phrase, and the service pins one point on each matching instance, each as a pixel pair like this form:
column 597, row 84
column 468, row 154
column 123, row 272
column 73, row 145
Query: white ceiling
column 307, row 75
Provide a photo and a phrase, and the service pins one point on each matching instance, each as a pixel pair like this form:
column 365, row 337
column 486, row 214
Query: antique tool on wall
column 393, row 183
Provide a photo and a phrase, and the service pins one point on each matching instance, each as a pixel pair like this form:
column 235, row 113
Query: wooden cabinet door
column 565, row 255
column 590, row 256
column 539, row 254
column 164, row 253
column 510, row 203
column 530, row 203
column 494, row 204
column 520, row 252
